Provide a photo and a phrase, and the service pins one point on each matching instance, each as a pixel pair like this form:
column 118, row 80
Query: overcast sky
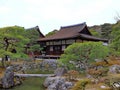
column 52, row 14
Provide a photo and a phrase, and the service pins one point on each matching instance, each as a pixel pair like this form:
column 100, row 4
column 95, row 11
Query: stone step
column 34, row 75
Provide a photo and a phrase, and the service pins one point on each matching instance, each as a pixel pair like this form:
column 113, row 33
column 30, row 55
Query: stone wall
column 50, row 65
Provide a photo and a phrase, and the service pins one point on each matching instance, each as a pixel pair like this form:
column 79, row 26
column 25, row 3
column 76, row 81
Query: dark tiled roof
column 88, row 37
column 66, row 32
column 72, row 32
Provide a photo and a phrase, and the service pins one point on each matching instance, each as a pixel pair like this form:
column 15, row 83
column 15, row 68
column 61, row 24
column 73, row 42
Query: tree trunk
column 6, row 57
column 32, row 56
column 3, row 64
column 6, row 48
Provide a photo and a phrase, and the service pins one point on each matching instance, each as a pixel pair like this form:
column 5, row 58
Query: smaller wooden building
column 55, row 45
column 33, row 34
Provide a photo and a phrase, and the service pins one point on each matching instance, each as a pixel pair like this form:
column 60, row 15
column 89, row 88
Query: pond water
column 31, row 83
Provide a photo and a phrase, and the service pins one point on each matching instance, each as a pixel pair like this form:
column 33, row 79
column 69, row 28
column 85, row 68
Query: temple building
column 54, row 45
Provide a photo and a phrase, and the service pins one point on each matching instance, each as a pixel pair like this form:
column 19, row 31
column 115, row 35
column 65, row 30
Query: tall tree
column 33, row 34
column 117, row 17
column 115, row 38
column 12, row 42
column 95, row 33
column 106, row 30
column 52, row 32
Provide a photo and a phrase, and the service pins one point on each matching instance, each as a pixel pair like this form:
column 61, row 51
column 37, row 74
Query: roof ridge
column 35, row 27
column 84, row 23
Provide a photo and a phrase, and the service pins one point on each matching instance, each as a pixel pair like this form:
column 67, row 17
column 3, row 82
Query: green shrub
column 81, row 55
column 98, row 73
column 80, row 85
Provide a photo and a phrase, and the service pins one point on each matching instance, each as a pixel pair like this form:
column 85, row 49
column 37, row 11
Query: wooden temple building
column 33, row 34
column 54, row 45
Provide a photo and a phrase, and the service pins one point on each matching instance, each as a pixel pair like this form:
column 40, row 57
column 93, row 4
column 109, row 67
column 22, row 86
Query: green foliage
column 52, row 32
column 102, row 31
column 33, row 36
column 95, row 33
column 80, row 85
column 115, row 39
column 83, row 53
column 35, row 47
column 106, row 30
column 12, row 42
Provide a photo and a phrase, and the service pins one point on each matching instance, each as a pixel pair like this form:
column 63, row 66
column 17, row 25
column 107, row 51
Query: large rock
column 57, row 83
column 49, row 64
column 114, row 69
column 60, row 71
column 8, row 79
column 18, row 80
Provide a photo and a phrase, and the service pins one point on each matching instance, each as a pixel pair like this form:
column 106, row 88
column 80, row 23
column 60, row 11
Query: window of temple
column 51, row 48
column 63, row 47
